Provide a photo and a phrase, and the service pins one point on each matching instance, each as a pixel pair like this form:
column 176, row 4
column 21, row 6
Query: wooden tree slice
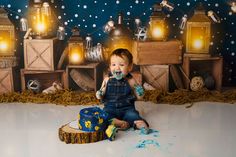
column 71, row 135
column 83, row 80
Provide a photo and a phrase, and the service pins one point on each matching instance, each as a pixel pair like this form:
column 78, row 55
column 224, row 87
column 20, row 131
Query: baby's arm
column 101, row 92
column 138, row 89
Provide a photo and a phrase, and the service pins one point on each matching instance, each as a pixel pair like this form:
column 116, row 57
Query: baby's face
column 119, row 66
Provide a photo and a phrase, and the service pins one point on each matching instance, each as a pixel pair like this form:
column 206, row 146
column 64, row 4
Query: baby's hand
column 99, row 94
column 139, row 90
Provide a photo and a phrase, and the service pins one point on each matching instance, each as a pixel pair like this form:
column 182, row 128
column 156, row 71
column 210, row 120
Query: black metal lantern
column 198, row 32
column 157, row 29
column 120, row 36
column 76, row 48
column 7, row 35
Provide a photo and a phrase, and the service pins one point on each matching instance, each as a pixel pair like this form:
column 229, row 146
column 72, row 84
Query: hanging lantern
column 40, row 19
column 76, row 48
column 157, row 26
column 7, row 35
column 120, row 36
column 198, row 32
column 169, row 6
column 61, row 33
column 23, row 24
column 213, row 16
column 233, row 7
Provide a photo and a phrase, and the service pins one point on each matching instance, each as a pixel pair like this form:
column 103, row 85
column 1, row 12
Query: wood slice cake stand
column 73, row 135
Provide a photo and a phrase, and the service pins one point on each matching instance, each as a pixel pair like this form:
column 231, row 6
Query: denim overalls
column 119, row 100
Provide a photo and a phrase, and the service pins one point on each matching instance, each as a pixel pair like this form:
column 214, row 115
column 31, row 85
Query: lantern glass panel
column 157, row 29
column 198, row 38
column 6, row 43
column 76, row 53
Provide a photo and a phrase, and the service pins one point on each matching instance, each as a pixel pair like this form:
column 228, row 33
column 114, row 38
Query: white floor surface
column 205, row 130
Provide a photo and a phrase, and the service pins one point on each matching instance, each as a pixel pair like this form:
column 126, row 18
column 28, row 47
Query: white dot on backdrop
column 64, row 13
column 19, row 10
column 78, row 5
column 232, row 54
column 85, row 7
column 128, row 13
column 96, row 17
column 17, row 17
column 232, row 42
column 90, row 15
column 188, row 3
column 216, row 5
column 9, row 5
column 83, row 20
column 136, row 1
column 117, row 2
column 66, row 23
column 211, row 43
column 95, row 1
column 131, row 6
column 85, row 26
column 105, row 3
column 94, row 25
column 230, row 13
column 59, row 17
column 76, row 15
column 62, row 7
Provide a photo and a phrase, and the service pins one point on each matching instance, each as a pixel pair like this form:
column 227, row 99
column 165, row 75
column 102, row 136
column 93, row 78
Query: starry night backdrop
column 91, row 16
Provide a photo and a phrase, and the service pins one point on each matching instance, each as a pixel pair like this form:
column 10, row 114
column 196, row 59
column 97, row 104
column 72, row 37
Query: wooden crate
column 157, row 52
column 45, row 78
column 156, row 75
column 9, row 80
column 87, row 77
column 211, row 65
column 41, row 54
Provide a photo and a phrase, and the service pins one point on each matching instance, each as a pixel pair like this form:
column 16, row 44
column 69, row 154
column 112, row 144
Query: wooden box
column 211, row 65
column 85, row 77
column 9, row 81
column 45, row 78
column 156, row 75
column 157, row 52
column 41, row 54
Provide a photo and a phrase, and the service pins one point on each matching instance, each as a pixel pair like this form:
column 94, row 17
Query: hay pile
column 183, row 96
column 67, row 97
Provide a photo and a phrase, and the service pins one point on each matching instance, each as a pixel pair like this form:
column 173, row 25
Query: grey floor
column 204, row 130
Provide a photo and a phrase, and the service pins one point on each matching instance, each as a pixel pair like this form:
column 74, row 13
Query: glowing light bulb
column 40, row 27
column 75, row 57
column 3, row 45
column 198, row 43
column 157, row 32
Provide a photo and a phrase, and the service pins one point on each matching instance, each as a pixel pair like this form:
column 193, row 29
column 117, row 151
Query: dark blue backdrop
column 91, row 16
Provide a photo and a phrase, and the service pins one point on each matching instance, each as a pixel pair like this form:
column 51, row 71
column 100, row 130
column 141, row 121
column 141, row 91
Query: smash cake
column 92, row 119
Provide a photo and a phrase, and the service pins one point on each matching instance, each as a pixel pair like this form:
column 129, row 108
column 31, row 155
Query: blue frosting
column 92, row 119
